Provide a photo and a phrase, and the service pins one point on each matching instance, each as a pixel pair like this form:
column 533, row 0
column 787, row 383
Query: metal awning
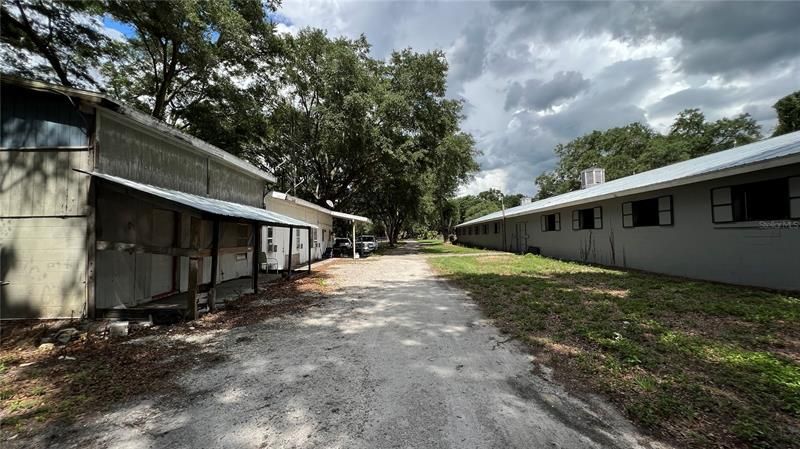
column 208, row 205
column 350, row 217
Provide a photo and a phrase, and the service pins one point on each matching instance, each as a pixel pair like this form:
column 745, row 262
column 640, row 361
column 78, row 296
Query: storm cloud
column 535, row 74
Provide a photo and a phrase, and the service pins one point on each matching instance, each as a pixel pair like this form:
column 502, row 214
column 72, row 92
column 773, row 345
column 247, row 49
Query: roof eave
column 745, row 168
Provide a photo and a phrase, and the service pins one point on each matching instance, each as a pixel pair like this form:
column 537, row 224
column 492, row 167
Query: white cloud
column 637, row 61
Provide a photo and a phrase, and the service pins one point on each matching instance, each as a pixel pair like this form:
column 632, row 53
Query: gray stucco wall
column 737, row 253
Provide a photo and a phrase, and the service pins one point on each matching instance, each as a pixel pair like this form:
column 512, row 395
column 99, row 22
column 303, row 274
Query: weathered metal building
column 104, row 209
column 731, row 216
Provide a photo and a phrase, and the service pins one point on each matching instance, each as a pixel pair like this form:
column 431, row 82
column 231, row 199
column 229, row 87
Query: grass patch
column 440, row 247
column 702, row 364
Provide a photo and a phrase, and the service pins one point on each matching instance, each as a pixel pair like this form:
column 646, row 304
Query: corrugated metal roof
column 781, row 150
column 209, row 205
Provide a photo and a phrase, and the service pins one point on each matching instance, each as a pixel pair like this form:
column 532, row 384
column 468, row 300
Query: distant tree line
column 636, row 147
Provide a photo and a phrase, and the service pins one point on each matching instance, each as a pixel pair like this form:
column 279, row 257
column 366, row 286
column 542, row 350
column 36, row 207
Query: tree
column 635, row 148
column 323, row 126
column 178, row 52
column 59, row 41
column 788, row 109
column 374, row 137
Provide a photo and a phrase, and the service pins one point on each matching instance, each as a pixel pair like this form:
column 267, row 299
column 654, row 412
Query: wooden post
column 91, row 250
column 212, row 292
column 256, row 254
column 289, row 266
column 191, row 300
column 309, row 250
column 194, row 263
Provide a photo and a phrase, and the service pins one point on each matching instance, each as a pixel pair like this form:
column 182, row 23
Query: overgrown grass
column 439, row 247
column 704, row 364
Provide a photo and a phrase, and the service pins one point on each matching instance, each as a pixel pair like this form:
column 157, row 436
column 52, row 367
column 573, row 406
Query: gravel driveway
column 397, row 359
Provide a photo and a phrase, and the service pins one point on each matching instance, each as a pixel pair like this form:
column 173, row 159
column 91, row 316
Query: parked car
column 342, row 247
column 366, row 244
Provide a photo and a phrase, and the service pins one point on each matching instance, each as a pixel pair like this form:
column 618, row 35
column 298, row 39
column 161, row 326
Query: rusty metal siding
column 43, row 183
column 31, row 119
column 231, row 185
column 128, row 151
column 43, row 261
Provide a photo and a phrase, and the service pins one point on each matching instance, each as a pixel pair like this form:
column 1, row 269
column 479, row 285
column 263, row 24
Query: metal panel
column 43, row 183
column 115, row 279
column 130, row 152
column 31, row 119
column 162, row 274
column 227, row 184
column 44, row 263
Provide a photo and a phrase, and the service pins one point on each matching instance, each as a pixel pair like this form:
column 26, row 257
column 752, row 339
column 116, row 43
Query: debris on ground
column 65, row 369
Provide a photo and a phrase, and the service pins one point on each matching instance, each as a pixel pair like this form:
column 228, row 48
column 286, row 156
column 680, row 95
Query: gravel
column 398, row 358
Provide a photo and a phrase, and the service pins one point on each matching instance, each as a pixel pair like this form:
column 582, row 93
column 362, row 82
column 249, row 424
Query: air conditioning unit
column 592, row 176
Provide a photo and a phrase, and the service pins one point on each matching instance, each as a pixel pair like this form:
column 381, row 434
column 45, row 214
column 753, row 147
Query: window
column 496, row 227
column 486, row 229
column 776, row 199
column 298, row 244
column 242, row 235
column 649, row 212
column 323, row 236
column 314, row 236
column 271, row 248
column 551, row 222
column 477, row 230
column 591, row 218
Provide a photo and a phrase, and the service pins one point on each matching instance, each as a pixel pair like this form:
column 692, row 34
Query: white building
column 731, row 216
column 282, row 243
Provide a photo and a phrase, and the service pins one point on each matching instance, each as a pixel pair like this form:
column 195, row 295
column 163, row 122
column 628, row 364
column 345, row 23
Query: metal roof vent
column 592, row 177
column 525, row 200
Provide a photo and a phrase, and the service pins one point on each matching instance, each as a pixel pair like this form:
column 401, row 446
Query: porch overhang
column 207, row 205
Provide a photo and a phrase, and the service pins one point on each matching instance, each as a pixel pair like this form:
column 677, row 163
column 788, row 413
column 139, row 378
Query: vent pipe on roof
column 525, row 200
column 592, row 176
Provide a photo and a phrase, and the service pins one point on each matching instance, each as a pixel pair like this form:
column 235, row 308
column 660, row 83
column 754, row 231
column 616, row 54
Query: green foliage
column 66, row 35
column 370, row 136
column 182, row 51
column 788, row 109
column 635, row 148
column 472, row 206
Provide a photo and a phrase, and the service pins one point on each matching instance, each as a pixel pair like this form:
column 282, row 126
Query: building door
column 520, row 237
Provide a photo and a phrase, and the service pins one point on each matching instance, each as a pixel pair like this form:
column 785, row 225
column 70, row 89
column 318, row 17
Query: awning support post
column 289, row 265
column 191, row 298
column 256, row 254
column 354, row 239
column 212, row 292
column 309, row 250
column 194, row 262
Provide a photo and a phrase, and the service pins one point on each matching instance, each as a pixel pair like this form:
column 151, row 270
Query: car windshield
column 368, row 238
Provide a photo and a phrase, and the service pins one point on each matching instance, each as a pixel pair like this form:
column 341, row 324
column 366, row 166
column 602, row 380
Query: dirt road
column 398, row 359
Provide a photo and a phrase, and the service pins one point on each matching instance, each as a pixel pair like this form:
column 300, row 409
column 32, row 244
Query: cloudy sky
column 536, row 74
